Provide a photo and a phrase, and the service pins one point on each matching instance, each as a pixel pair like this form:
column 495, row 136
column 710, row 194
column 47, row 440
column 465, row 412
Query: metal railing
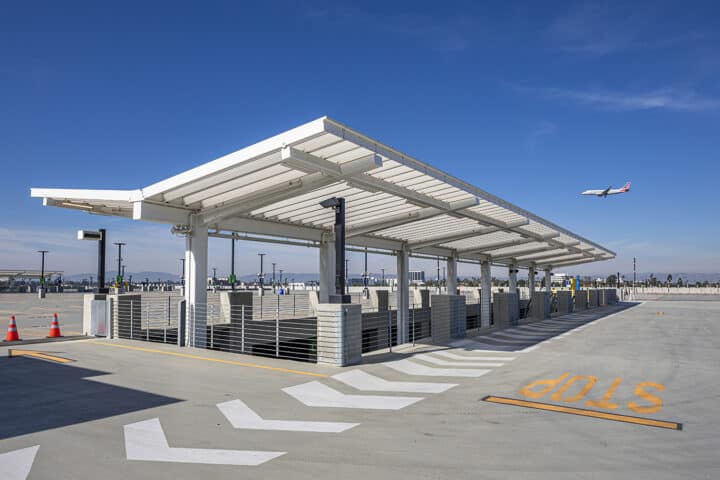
column 379, row 329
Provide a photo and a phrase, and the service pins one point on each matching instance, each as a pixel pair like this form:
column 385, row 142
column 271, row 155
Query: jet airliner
column 608, row 191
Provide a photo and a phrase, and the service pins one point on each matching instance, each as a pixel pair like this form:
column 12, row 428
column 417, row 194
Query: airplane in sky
column 608, row 191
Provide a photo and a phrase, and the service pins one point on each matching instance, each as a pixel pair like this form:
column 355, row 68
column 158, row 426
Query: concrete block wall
column 564, row 299
column 339, row 334
column 231, row 306
column 506, row 310
column 540, row 307
column 580, row 301
column 593, row 298
column 448, row 317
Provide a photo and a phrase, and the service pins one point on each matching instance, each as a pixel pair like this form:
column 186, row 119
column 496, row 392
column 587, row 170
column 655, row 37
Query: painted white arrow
column 412, row 368
column 146, row 441
column 316, row 394
column 242, row 416
column 16, row 465
column 444, row 363
column 367, row 382
column 455, row 356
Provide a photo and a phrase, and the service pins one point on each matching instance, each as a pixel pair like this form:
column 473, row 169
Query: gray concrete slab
column 76, row 412
column 34, row 315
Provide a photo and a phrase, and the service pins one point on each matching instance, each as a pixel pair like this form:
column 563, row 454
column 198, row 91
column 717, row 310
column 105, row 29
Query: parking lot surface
column 133, row 410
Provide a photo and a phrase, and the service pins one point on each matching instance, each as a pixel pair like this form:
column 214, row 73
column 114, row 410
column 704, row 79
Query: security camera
column 330, row 203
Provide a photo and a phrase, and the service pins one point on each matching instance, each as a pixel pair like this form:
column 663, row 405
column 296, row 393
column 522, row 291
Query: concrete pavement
column 657, row 360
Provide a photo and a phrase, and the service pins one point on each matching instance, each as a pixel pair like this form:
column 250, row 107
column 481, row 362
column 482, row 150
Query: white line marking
column 454, row 356
column 316, row 394
column 437, row 361
column 146, row 441
column 412, row 368
column 241, row 416
column 367, row 382
column 16, row 465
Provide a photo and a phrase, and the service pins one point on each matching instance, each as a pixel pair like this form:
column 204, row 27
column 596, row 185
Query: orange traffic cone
column 12, row 333
column 54, row 328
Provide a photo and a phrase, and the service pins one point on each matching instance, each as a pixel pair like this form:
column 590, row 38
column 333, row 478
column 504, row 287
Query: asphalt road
column 652, row 362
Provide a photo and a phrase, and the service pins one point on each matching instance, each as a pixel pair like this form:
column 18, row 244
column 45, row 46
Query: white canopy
column 273, row 188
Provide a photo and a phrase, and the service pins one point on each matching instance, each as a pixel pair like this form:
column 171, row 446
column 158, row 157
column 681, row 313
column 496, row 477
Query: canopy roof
column 273, row 188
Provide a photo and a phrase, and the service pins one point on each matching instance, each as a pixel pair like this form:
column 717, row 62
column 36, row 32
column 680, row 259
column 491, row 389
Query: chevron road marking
column 455, row 356
column 16, row 465
column 316, row 394
column 241, row 416
column 437, row 361
column 146, row 441
column 412, row 368
column 366, row 382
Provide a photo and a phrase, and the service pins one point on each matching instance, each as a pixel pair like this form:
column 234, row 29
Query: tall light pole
column 281, row 272
column 232, row 262
column 438, row 274
column 261, row 276
column 119, row 267
column 42, row 268
column 366, row 291
column 383, row 276
column 273, row 277
column 214, row 275
column 347, row 276
column 634, row 273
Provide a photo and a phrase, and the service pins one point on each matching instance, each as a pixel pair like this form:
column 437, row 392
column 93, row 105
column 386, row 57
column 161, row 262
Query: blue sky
column 532, row 101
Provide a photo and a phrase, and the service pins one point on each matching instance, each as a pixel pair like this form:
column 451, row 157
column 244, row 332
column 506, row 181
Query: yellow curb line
column 210, row 359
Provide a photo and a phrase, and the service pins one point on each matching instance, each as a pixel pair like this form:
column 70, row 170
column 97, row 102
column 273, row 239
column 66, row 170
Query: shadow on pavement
column 37, row 395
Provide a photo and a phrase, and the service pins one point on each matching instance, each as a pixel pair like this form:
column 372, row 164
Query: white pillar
column 548, row 279
column 196, row 267
column 452, row 275
column 512, row 275
column 485, row 293
column 531, row 279
column 327, row 268
column 403, row 295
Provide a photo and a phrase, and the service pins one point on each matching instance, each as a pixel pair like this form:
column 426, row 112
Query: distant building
column 416, row 276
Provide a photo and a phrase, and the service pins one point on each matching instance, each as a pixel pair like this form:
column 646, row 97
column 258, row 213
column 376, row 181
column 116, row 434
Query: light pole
column 634, row 273
column 214, row 279
column 118, row 280
column 438, row 274
column 232, row 262
column 346, row 276
column 383, row 276
column 366, row 290
column 182, row 273
column 338, row 204
column 273, row 277
column 42, row 272
column 281, row 272
column 261, row 276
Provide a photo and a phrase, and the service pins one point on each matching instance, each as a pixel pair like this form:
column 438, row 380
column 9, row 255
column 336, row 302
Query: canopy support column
column 452, row 275
column 403, row 295
column 196, row 266
column 531, row 279
column 548, row 279
column 485, row 294
column 327, row 268
column 512, row 276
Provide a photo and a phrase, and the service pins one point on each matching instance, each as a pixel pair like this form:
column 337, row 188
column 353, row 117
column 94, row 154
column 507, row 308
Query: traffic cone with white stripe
column 54, row 328
column 12, row 333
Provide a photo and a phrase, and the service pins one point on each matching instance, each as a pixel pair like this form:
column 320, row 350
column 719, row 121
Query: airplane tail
column 626, row 188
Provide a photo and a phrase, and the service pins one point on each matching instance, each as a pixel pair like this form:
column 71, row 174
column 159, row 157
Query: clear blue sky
column 532, row 101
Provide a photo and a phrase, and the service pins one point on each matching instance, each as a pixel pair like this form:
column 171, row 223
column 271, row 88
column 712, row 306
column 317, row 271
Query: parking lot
column 645, row 377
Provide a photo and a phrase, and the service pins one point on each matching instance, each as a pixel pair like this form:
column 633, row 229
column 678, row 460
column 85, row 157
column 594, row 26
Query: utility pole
column 261, row 276
column 118, row 280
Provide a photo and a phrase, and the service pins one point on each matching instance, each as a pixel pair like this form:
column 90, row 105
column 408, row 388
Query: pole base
column 335, row 298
